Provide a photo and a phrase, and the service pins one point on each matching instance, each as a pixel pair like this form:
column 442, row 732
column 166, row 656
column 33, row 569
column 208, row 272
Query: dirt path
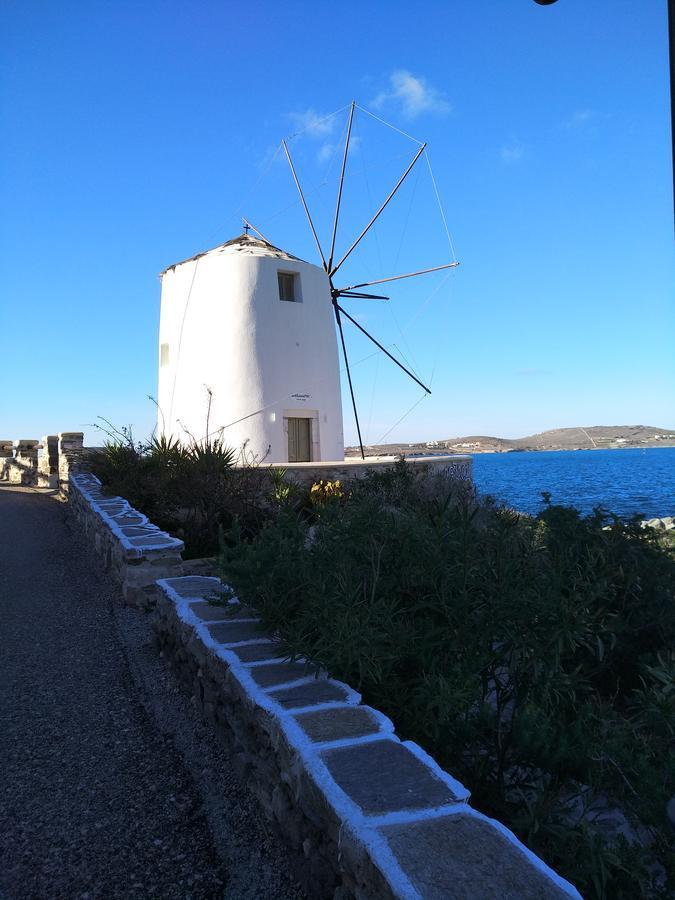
column 109, row 784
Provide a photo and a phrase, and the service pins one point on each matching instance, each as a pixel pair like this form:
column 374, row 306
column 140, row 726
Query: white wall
column 254, row 351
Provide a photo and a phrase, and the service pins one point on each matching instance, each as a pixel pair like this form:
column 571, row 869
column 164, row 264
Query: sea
column 624, row 482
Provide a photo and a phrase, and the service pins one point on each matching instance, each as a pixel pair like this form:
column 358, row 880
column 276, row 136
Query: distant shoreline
column 351, row 451
column 662, row 446
column 595, row 437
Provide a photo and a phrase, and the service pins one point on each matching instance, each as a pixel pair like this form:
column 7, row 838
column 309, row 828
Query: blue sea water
column 624, row 482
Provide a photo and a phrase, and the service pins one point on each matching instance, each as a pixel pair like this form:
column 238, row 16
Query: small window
column 287, row 286
column 164, row 355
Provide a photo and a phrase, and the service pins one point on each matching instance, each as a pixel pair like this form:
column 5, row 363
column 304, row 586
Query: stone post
column 70, row 455
column 48, row 463
column 23, row 469
column 6, row 454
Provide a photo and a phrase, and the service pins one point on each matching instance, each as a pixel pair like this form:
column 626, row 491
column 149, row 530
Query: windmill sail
column 331, row 269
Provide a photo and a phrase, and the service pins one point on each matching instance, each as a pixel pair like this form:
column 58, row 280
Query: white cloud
column 512, row 152
column 270, row 155
column 327, row 149
column 579, row 118
column 413, row 95
column 312, row 123
column 325, row 152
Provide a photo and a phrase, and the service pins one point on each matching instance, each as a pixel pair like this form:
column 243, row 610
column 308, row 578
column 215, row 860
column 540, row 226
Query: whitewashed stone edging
column 365, row 814
column 134, row 551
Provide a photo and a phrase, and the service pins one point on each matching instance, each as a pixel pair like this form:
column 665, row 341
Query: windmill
column 332, row 267
column 249, row 326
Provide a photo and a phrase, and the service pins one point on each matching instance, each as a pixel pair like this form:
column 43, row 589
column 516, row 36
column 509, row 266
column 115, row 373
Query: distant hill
column 592, row 438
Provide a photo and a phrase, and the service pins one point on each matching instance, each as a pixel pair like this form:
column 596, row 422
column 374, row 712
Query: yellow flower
column 321, row 491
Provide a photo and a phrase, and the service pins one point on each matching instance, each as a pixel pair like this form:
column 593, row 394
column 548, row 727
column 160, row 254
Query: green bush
column 533, row 657
column 192, row 491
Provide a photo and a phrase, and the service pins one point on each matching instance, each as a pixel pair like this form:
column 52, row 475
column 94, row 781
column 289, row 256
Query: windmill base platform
column 455, row 467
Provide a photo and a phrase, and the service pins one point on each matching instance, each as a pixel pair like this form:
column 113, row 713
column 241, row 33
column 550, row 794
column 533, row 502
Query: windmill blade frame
column 383, row 349
column 352, row 290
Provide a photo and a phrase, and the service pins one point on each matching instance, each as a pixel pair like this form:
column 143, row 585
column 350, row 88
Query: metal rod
column 259, row 233
column 353, row 287
column 380, row 210
column 383, row 349
column 671, row 56
column 349, row 375
column 342, row 178
column 360, row 296
column 302, row 197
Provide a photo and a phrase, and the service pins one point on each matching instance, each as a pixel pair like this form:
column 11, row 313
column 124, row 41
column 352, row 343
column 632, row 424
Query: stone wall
column 459, row 468
column 47, row 463
column 364, row 814
column 133, row 550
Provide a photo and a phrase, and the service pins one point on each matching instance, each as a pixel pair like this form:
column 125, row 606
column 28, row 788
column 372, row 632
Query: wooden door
column 299, row 440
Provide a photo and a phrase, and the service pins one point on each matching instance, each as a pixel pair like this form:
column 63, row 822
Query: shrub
column 532, row 656
column 193, row 491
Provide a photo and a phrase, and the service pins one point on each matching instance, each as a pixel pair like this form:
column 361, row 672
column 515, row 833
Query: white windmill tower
column 246, row 331
column 257, row 331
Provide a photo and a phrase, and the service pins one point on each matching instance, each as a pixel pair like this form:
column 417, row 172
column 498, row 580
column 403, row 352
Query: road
column 110, row 786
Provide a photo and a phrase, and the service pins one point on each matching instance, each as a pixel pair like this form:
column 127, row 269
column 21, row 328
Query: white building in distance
column 253, row 326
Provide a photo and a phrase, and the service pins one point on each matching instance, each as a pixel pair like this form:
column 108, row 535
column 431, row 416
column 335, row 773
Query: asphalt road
column 110, row 786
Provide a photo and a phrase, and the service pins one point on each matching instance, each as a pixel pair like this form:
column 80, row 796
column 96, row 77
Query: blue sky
column 134, row 135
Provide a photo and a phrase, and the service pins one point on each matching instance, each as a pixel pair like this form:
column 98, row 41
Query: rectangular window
column 287, row 286
column 164, row 355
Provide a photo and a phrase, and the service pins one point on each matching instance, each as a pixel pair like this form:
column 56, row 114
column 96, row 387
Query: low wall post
column 23, row 468
column 48, row 463
column 70, row 447
column 6, row 454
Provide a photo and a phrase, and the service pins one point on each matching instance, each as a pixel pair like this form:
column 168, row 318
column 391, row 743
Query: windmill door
column 299, row 440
